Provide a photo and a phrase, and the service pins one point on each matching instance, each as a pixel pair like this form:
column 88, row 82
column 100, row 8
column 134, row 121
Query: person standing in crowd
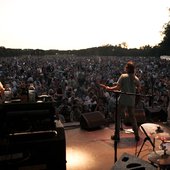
column 128, row 84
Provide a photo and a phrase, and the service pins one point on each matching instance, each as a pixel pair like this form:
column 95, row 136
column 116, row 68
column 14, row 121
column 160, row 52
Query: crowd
column 73, row 82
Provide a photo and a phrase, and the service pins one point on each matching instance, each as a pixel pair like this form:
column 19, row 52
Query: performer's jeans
column 131, row 111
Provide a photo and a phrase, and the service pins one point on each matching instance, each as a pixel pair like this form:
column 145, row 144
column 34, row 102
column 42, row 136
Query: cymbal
column 158, row 157
column 156, row 130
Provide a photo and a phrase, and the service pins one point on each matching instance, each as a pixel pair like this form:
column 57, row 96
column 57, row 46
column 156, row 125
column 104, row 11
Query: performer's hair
column 130, row 67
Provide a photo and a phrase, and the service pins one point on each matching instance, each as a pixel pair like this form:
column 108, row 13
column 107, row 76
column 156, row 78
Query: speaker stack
column 31, row 137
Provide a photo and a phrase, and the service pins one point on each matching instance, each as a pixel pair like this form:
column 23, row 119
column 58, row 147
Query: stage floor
column 94, row 150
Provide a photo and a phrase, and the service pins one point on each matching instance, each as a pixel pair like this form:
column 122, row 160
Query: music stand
column 146, row 138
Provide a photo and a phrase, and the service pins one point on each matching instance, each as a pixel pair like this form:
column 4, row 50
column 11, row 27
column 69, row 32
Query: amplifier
column 31, row 137
column 45, row 150
column 21, row 117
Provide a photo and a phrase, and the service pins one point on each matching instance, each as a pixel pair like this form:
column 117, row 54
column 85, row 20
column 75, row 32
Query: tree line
column 107, row 50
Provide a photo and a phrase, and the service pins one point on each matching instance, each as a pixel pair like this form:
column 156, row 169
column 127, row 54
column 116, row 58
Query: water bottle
column 7, row 94
column 31, row 93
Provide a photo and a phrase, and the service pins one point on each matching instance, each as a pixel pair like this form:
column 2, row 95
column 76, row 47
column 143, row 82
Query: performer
column 128, row 83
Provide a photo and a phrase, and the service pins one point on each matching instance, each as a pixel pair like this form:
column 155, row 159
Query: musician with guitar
column 128, row 84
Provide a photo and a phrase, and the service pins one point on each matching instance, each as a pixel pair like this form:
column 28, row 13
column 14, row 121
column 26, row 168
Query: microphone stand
column 116, row 125
column 116, row 131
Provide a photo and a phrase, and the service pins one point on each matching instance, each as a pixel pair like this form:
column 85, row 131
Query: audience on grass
column 73, row 82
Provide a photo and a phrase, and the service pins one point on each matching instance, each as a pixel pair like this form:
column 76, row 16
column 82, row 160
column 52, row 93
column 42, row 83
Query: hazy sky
column 79, row 24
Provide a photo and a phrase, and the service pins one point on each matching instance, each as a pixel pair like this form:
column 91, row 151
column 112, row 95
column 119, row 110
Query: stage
column 94, row 149
column 32, row 131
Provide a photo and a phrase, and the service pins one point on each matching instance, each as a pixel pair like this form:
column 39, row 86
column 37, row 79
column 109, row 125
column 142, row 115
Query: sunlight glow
column 76, row 24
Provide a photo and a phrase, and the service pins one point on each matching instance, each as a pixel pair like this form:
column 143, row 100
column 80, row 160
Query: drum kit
column 160, row 158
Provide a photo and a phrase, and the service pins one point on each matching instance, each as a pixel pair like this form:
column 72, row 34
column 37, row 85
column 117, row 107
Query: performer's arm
column 138, row 85
column 1, row 88
column 113, row 88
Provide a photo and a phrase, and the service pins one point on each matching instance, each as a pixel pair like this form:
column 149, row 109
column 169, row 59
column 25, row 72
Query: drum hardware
column 147, row 138
column 161, row 158
column 163, row 147
column 156, row 131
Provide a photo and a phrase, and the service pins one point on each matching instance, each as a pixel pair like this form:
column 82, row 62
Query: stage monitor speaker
column 92, row 120
column 130, row 162
column 156, row 114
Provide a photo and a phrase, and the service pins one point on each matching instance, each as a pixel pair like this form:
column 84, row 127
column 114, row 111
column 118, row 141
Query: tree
column 165, row 44
column 123, row 45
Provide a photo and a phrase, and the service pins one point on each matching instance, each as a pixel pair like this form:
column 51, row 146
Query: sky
column 81, row 24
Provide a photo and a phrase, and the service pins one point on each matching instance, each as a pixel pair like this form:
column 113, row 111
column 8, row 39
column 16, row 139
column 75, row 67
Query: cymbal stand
column 146, row 138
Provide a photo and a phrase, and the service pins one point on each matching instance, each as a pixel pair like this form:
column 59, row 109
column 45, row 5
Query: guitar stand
column 146, row 138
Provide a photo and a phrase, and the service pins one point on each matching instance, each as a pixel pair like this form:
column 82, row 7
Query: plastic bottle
column 7, row 94
column 31, row 93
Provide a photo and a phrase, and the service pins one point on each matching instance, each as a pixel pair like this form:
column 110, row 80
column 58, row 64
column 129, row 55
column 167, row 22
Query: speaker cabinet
column 92, row 120
column 130, row 162
column 31, row 137
column 26, row 117
column 156, row 114
column 34, row 150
